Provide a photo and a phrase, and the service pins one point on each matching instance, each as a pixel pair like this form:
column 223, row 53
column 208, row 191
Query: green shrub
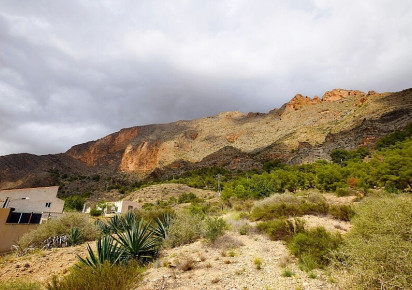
column 96, row 212
column 197, row 209
column 342, row 212
column 285, row 205
column 377, row 252
column 185, row 228
column 74, row 203
column 341, row 191
column 214, row 228
column 312, row 275
column 244, row 229
column 188, row 197
column 282, row 229
column 287, row 273
column 62, row 225
column 273, row 164
column 20, row 285
column 108, row 276
column 313, row 247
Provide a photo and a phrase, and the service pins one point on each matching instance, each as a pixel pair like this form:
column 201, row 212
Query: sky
column 75, row 71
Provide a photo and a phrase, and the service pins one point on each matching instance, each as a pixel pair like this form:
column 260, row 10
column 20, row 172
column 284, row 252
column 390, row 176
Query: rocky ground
column 229, row 263
column 40, row 265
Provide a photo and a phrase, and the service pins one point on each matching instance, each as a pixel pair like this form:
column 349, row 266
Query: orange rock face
column 141, row 159
column 338, row 94
column 92, row 152
column 231, row 138
column 299, row 101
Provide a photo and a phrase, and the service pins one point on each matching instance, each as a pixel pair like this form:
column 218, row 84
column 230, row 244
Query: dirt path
column 214, row 268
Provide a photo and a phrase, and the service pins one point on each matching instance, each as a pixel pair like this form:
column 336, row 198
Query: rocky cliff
column 303, row 130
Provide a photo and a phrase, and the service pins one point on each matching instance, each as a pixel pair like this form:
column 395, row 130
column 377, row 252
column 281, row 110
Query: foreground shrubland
column 377, row 253
column 76, row 226
column 108, row 276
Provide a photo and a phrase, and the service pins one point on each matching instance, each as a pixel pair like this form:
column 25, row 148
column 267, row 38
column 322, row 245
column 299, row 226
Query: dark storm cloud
column 73, row 71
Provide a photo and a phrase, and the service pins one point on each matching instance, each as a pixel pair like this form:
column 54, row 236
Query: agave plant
column 107, row 250
column 128, row 219
column 103, row 227
column 137, row 241
column 73, row 237
column 162, row 225
column 116, row 224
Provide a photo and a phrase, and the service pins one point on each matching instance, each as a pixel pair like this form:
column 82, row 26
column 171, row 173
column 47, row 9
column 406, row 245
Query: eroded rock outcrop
column 299, row 101
column 143, row 158
column 339, row 94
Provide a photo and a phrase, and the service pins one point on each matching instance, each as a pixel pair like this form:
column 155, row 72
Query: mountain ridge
column 302, row 130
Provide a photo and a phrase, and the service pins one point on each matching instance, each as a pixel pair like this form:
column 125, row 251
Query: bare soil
column 41, row 265
column 214, row 268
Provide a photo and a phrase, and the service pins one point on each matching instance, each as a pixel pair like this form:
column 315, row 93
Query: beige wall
column 9, row 233
column 38, row 197
column 125, row 205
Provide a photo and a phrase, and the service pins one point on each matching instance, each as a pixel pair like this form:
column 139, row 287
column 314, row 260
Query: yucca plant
column 107, row 250
column 138, row 242
column 162, row 225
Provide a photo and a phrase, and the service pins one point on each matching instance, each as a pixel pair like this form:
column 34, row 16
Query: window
column 129, row 207
column 48, row 204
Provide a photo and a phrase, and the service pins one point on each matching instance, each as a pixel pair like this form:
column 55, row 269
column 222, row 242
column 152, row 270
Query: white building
column 41, row 200
column 115, row 207
column 22, row 210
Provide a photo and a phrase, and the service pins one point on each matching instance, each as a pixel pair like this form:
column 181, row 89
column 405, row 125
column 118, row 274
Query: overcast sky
column 74, row 71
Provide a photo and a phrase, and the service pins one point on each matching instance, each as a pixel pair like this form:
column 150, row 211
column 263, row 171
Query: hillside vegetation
column 362, row 239
column 390, row 167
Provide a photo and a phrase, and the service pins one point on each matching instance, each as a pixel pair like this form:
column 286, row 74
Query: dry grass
column 60, row 226
column 258, row 263
column 107, row 277
column 187, row 264
column 202, row 257
column 284, row 261
column 227, row 242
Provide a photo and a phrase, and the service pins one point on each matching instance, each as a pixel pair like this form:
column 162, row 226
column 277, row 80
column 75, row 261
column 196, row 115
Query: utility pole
column 219, row 176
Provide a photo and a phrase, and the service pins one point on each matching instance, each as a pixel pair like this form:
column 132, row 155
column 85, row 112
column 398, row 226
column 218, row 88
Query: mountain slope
column 302, row 130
